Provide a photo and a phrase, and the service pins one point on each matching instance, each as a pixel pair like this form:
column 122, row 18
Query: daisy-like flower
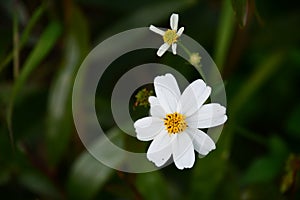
column 170, row 36
column 176, row 120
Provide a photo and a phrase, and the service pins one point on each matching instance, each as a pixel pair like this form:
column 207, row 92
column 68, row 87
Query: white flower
column 170, row 36
column 175, row 121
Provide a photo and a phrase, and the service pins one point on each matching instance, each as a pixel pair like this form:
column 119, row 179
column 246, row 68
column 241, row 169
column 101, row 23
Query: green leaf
column 262, row 170
column 268, row 167
column 88, row 175
column 25, row 35
column 41, row 50
column 60, row 121
column 241, row 10
column 224, row 34
column 208, row 173
column 154, row 182
column 39, row 184
column 33, row 20
column 262, row 73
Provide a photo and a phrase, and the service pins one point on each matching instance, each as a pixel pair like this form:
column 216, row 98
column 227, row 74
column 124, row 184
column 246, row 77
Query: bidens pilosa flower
column 170, row 36
column 176, row 120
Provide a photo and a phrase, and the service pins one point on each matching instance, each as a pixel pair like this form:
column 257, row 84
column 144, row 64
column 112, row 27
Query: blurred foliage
column 255, row 45
column 142, row 97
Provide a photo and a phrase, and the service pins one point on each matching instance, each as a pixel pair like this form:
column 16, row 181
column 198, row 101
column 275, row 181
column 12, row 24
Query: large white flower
column 170, row 36
column 175, row 122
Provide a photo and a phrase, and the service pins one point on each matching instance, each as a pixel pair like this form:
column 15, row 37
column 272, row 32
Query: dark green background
column 255, row 44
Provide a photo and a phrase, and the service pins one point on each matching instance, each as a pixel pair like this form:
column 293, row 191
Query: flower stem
column 184, row 48
column 188, row 52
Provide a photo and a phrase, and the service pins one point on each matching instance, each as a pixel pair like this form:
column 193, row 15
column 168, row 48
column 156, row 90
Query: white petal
column 167, row 92
column 183, row 151
column 174, row 46
column 148, row 127
column 174, row 21
column 156, row 110
column 180, row 31
column 203, row 144
column 156, row 30
column 160, row 149
column 209, row 115
column 162, row 49
column 193, row 97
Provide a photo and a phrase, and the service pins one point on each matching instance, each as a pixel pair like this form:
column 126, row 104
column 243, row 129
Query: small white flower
column 170, row 36
column 175, row 121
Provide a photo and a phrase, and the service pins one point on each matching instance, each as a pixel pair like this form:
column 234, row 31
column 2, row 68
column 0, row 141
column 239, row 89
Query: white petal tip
column 156, row 30
column 157, row 163
column 225, row 119
column 180, row 31
column 184, row 167
column 162, row 49
column 151, row 99
column 174, row 21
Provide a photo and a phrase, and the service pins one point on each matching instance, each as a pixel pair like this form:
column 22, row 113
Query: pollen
column 175, row 123
column 170, row 37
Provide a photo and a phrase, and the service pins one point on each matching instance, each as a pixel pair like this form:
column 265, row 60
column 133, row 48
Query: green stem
column 197, row 66
column 16, row 44
column 184, row 48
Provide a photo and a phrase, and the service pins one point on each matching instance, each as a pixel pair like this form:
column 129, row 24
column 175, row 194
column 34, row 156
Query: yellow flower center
column 175, row 123
column 170, row 37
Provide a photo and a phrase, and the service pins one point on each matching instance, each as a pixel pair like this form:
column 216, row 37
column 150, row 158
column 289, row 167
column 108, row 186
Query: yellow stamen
column 170, row 37
column 175, row 123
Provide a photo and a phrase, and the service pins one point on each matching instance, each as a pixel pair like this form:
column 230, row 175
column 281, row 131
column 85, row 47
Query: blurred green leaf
column 154, row 182
column 60, row 121
column 39, row 184
column 241, row 10
column 25, row 35
column 267, row 168
column 41, row 50
column 208, row 173
column 16, row 45
column 262, row 170
column 224, row 34
column 31, row 23
column 88, row 175
column 263, row 71
column 59, row 111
